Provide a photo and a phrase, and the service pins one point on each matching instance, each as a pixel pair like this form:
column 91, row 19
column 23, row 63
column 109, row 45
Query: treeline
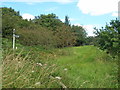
column 45, row 30
column 108, row 38
column 49, row 31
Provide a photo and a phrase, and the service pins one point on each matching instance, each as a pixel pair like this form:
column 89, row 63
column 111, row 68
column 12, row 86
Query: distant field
column 73, row 67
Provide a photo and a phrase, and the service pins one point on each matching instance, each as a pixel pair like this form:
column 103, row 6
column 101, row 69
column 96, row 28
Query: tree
column 44, row 30
column 108, row 38
column 90, row 40
column 67, row 22
column 10, row 19
column 80, row 33
column 64, row 36
column 50, row 21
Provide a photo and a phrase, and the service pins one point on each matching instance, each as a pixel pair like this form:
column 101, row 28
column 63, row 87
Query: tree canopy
column 108, row 38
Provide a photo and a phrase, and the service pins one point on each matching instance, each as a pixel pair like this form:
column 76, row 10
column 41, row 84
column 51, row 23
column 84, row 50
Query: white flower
column 33, row 71
column 81, row 85
column 38, row 83
column 65, row 69
column 58, row 77
column 85, row 82
column 39, row 64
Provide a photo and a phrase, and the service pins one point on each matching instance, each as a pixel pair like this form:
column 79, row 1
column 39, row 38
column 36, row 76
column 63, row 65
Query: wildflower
column 38, row 83
column 85, row 82
column 81, row 85
column 33, row 71
column 65, row 69
column 58, row 77
column 40, row 64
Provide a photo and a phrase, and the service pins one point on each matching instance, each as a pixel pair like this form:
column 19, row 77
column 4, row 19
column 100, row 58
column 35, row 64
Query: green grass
column 88, row 67
column 78, row 67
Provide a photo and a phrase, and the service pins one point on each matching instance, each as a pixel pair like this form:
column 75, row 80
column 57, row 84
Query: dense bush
column 45, row 30
column 64, row 36
column 108, row 38
column 10, row 19
column 39, row 36
column 90, row 40
column 80, row 34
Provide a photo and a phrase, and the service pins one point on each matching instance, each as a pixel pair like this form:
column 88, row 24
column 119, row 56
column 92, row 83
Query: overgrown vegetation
column 22, row 72
column 47, row 56
column 59, row 68
column 45, row 30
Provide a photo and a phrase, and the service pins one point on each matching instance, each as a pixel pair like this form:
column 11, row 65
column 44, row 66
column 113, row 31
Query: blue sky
column 80, row 12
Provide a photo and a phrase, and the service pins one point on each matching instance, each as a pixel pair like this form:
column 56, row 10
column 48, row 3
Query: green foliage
column 44, row 30
column 108, row 38
column 64, row 36
column 21, row 72
column 90, row 40
column 80, row 33
column 77, row 67
column 50, row 21
column 10, row 19
column 37, row 67
column 38, row 36
column 88, row 67
column 0, row 20
column 6, row 43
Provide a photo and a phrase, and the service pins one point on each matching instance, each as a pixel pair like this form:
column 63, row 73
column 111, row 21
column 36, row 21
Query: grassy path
column 84, row 69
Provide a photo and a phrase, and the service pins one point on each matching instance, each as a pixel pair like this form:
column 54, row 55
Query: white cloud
column 51, row 9
column 59, row 1
column 115, row 14
column 77, row 24
column 27, row 16
column 63, row 20
column 89, row 28
column 98, row 7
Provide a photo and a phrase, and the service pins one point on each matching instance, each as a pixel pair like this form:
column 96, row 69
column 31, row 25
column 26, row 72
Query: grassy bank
column 88, row 67
column 73, row 67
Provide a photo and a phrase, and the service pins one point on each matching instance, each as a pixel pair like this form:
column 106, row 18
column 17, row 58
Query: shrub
column 39, row 36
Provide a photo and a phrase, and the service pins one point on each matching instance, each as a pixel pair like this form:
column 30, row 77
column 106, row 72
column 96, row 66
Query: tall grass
column 89, row 67
column 73, row 67
column 22, row 72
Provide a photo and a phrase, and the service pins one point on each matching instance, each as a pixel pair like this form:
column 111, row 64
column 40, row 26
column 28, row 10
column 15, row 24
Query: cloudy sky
column 86, row 13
